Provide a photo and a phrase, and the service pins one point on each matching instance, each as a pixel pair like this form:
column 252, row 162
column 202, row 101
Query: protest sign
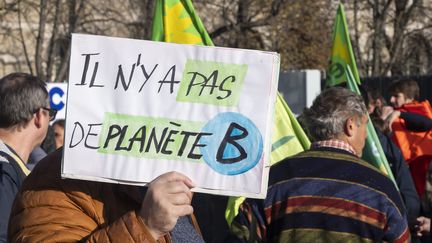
column 137, row 109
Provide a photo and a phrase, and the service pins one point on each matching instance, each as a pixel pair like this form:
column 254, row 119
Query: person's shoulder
column 327, row 163
column 7, row 168
column 300, row 165
column 375, row 179
column 330, row 155
column 8, row 171
column 286, row 165
column 47, row 171
column 45, row 186
column 47, row 176
column 344, row 158
column 308, row 158
column 285, row 162
column 5, row 153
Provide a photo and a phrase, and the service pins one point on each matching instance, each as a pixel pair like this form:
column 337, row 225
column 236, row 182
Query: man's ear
column 349, row 127
column 37, row 118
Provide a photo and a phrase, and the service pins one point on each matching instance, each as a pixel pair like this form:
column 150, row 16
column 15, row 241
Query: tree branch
column 39, row 40
column 23, row 39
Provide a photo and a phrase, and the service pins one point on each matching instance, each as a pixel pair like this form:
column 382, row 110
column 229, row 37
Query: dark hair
column 326, row 117
column 407, row 87
column 59, row 122
column 374, row 94
column 21, row 95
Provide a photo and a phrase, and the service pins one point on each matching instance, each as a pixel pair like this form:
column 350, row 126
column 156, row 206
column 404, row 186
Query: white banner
column 137, row 109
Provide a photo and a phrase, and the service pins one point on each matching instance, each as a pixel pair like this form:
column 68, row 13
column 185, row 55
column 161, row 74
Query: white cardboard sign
column 137, row 109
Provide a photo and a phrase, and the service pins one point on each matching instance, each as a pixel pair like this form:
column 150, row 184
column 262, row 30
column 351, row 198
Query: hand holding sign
column 168, row 197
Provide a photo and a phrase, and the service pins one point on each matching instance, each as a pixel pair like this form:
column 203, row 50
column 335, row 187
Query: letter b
column 227, row 155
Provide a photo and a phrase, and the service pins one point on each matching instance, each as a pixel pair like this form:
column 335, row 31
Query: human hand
column 391, row 118
column 423, row 226
column 168, row 197
column 386, row 111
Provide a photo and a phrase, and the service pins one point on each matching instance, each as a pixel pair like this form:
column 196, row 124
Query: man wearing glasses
column 24, row 118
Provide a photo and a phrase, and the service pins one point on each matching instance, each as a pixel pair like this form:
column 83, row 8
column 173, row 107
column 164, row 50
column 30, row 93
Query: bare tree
column 42, row 29
column 389, row 36
column 299, row 30
column 384, row 31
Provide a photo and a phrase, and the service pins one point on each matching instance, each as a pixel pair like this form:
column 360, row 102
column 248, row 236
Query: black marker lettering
column 221, row 87
column 139, row 136
column 171, row 82
column 120, row 140
column 111, row 134
column 146, row 75
column 228, row 139
column 91, row 134
column 86, row 66
column 77, row 124
column 191, row 155
column 153, row 139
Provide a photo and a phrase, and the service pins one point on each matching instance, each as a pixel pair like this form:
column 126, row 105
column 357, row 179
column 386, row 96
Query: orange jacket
column 51, row 209
column 413, row 144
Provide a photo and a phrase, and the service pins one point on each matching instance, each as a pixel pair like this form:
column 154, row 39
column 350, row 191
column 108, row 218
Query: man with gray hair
column 327, row 194
column 24, row 118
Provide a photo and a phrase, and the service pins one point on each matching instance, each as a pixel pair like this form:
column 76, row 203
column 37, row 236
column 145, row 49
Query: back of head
column 374, row 94
column 60, row 123
column 374, row 102
column 408, row 87
column 21, row 95
column 326, row 118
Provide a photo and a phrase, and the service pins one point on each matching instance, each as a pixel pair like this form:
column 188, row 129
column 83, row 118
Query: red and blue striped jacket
column 324, row 195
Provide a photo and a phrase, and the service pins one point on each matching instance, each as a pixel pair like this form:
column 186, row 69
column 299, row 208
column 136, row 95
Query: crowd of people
column 325, row 194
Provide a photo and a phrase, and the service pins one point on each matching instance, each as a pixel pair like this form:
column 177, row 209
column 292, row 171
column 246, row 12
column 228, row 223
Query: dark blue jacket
column 11, row 178
column 402, row 175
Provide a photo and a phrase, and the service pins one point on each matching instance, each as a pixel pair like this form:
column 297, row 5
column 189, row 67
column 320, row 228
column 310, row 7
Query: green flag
column 342, row 54
column 176, row 21
column 372, row 152
column 288, row 138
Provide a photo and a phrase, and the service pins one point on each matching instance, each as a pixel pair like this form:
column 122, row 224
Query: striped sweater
column 324, row 195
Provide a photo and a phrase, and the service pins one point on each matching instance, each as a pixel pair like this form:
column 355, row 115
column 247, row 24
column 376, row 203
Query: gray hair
column 21, row 95
column 326, row 118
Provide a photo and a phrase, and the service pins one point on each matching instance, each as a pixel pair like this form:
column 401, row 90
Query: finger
column 183, row 210
column 390, row 126
column 179, row 199
column 189, row 183
column 178, row 187
column 176, row 176
column 421, row 220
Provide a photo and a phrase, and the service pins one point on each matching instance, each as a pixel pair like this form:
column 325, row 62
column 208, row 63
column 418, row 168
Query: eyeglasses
column 52, row 112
